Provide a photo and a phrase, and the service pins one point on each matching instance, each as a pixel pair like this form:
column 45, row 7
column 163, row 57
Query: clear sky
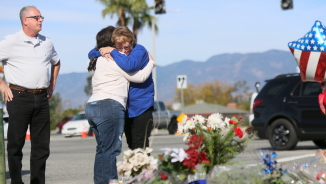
column 202, row 28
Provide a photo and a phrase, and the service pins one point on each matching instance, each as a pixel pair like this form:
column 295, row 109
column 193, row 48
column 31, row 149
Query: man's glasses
column 36, row 17
column 125, row 48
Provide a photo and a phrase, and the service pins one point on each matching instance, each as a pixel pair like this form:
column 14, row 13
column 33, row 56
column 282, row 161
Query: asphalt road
column 71, row 159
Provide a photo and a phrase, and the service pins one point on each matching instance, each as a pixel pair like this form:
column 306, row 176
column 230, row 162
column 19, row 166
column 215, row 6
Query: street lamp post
column 154, row 56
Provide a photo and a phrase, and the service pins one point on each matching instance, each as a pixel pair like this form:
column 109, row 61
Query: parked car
column 76, row 126
column 61, row 123
column 162, row 116
column 286, row 111
column 252, row 100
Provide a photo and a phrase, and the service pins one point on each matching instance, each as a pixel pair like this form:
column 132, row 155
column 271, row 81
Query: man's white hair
column 24, row 11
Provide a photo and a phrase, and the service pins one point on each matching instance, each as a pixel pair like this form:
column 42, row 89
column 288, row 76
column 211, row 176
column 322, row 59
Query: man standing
column 26, row 57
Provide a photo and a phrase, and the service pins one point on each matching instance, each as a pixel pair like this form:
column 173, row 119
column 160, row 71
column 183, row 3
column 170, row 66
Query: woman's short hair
column 123, row 34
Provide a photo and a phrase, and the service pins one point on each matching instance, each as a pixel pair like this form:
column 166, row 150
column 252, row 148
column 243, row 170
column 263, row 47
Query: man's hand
column 105, row 52
column 50, row 90
column 5, row 92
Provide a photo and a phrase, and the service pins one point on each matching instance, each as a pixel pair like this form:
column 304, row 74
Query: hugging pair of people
column 122, row 99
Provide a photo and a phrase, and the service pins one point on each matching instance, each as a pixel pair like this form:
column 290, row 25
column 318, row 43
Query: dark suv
column 286, row 111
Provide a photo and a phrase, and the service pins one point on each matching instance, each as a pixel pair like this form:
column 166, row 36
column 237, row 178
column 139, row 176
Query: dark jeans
column 138, row 129
column 28, row 109
column 106, row 118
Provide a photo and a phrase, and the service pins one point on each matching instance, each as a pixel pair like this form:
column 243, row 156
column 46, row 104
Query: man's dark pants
column 24, row 109
column 138, row 129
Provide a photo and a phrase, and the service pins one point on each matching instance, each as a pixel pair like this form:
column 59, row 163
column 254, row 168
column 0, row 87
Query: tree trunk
column 135, row 29
column 122, row 17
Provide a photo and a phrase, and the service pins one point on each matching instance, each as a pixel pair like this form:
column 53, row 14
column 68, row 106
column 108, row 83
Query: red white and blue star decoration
column 310, row 53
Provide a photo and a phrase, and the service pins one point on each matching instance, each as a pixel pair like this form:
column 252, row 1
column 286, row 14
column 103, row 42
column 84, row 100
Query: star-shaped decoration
column 315, row 48
column 322, row 48
column 302, row 47
column 318, row 23
column 312, row 41
column 324, row 37
column 298, row 46
column 321, row 30
column 308, row 47
column 307, row 41
column 294, row 45
column 314, row 29
column 310, row 35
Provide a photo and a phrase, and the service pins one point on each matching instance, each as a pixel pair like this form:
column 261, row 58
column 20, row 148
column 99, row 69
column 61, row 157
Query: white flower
column 127, row 174
column 190, row 124
column 184, row 118
column 148, row 150
column 124, row 168
column 215, row 121
column 180, row 128
column 186, row 137
column 178, row 155
column 226, row 122
column 139, row 159
column 198, row 119
column 167, row 151
column 204, row 127
column 128, row 153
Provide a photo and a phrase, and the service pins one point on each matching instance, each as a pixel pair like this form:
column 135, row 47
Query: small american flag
column 310, row 53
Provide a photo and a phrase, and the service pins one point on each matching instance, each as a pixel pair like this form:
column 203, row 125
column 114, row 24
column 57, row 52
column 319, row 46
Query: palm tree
column 129, row 12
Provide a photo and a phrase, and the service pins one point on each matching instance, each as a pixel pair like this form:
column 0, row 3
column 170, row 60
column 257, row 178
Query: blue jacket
column 141, row 95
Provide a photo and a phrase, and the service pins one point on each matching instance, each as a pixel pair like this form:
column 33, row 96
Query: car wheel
column 282, row 135
column 320, row 143
column 57, row 130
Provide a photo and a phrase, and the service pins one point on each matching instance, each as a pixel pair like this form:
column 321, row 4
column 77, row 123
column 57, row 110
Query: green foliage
column 129, row 12
column 216, row 92
column 175, row 167
column 220, row 147
column 56, row 110
column 88, row 87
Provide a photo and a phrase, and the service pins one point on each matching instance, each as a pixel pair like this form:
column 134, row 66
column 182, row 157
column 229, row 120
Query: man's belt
column 33, row 91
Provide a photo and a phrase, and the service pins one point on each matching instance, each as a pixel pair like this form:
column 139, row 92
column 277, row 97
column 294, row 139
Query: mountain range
column 228, row 68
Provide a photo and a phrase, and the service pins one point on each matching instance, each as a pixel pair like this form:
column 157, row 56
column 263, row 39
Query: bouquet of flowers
column 174, row 165
column 183, row 161
column 136, row 162
column 222, row 139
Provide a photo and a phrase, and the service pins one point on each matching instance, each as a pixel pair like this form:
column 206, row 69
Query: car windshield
column 79, row 117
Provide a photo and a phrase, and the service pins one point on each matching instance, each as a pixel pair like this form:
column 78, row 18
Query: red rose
column 189, row 163
column 195, row 141
column 238, row 132
column 233, row 122
column 164, row 176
